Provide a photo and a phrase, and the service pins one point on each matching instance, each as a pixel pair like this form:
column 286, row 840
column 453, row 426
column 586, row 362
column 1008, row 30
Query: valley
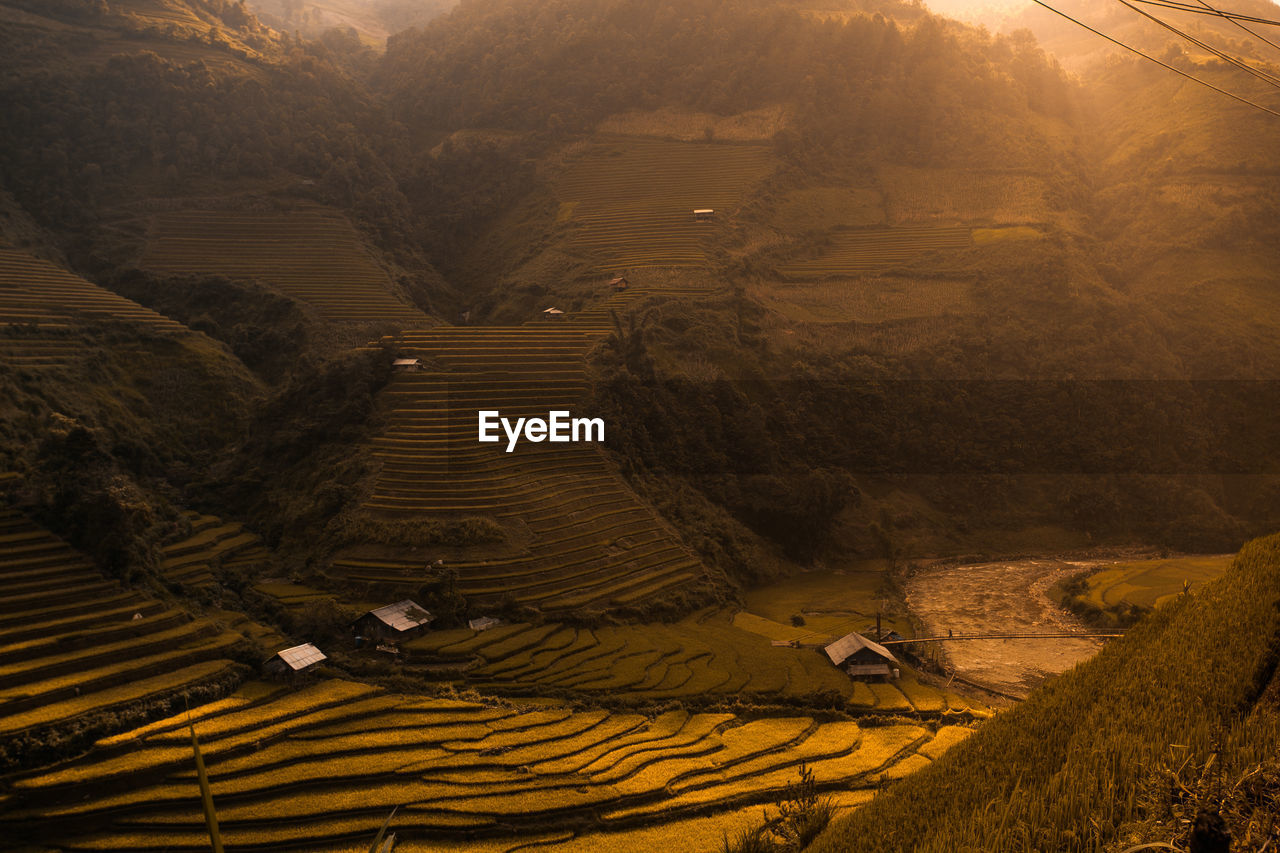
column 886, row 337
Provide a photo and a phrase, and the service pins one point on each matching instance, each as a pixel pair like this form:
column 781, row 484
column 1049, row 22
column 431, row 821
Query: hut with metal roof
column 484, row 623
column 296, row 659
column 394, row 622
column 858, row 656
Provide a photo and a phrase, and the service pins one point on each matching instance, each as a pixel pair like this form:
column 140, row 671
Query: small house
column 552, row 313
column 484, row 623
column 398, row 621
column 620, row 283
column 406, row 365
column 858, row 656
column 704, row 214
column 293, row 660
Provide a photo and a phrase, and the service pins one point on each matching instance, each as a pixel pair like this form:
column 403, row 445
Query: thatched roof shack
column 295, row 659
column 857, row 655
column 398, row 621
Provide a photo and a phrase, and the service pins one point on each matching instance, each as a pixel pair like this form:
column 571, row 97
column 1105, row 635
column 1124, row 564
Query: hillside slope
column 1088, row 761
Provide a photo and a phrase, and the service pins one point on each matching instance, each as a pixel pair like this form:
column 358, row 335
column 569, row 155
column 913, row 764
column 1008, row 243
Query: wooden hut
column 858, row 656
column 292, row 660
column 394, row 622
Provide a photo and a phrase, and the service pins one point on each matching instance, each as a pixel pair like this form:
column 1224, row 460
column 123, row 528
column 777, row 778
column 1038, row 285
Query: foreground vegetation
column 1085, row 762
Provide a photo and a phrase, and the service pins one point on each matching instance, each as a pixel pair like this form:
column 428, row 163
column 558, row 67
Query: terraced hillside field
column 313, row 255
column 852, row 252
column 74, row 644
column 592, row 542
column 211, row 542
column 1150, row 583
column 948, row 196
column 631, row 200
column 706, row 655
column 868, row 299
column 323, row 766
column 41, row 306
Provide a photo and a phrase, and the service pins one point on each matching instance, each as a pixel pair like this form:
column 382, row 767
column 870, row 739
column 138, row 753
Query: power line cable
column 1217, row 13
column 1240, row 25
column 1177, row 71
column 1269, row 79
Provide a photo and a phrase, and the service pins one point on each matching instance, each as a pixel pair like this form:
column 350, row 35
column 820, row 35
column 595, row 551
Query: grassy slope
column 1070, row 767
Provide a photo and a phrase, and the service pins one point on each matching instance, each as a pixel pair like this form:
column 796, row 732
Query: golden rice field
column 42, row 305
column 851, row 252
column 952, row 196
column 1150, row 583
column 822, row 208
column 629, row 202
column 711, row 654
column 312, row 254
column 74, row 643
column 321, row 766
column 209, row 543
column 592, row 541
column 868, row 299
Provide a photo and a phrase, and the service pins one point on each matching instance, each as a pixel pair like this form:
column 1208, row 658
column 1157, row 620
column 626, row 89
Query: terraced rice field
column 852, row 252
column 949, row 196
column 708, row 655
column 41, row 306
column 73, row 643
column 868, row 299
column 313, row 255
column 211, row 542
column 593, row 542
column 1150, row 583
column 631, row 201
column 321, row 767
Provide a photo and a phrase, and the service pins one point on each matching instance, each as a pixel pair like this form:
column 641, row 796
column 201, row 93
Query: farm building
column 857, row 655
column 296, row 659
column 620, row 283
column 397, row 621
column 552, row 313
column 704, row 214
column 406, row 364
column 484, row 623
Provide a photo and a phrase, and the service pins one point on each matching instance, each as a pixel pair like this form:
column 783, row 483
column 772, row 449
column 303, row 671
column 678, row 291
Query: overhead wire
column 1269, row 79
column 1209, row 10
column 1150, row 58
column 1242, row 26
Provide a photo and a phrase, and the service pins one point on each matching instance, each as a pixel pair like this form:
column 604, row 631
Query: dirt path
column 1000, row 597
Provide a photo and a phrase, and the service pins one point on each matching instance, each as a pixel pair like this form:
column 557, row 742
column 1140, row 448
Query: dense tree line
column 858, row 81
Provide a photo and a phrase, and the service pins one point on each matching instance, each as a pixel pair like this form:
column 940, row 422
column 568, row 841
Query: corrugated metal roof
column 301, row 657
column 483, row 623
column 402, row 616
column 406, row 361
column 845, row 647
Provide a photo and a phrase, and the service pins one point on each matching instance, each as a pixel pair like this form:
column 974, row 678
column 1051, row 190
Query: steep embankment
column 1096, row 757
